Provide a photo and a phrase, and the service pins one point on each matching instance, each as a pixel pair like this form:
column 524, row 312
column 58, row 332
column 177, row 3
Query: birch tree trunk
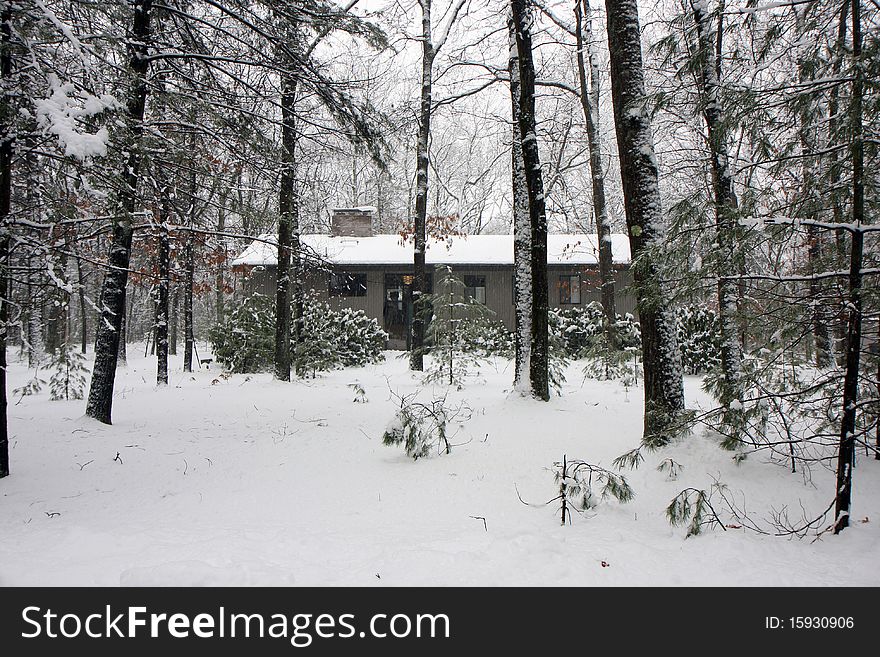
column 112, row 303
column 539, row 351
column 522, row 231
column 664, row 391
column 589, row 97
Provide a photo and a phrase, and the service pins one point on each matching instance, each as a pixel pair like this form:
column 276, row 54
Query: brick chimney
column 352, row 222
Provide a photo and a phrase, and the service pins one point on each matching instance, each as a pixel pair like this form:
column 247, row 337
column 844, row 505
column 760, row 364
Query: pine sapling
column 578, row 481
column 693, row 507
column 68, row 380
column 360, row 395
column 32, row 387
column 419, row 427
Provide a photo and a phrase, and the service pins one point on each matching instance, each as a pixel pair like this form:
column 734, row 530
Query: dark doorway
column 398, row 307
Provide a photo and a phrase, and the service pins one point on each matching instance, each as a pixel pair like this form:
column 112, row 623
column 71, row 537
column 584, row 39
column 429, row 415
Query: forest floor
column 249, row 481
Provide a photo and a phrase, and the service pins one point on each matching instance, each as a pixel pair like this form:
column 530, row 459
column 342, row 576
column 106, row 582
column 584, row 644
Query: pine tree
column 457, row 317
column 68, row 379
column 664, row 388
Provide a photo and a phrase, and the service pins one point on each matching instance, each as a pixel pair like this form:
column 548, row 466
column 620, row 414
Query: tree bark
column 417, row 345
column 122, row 354
column 189, row 263
column 834, row 171
column 664, row 391
column 539, row 376
column 219, row 282
column 287, row 214
column 164, row 272
column 589, row 97
column 6, row 146
column 112, row 304
column 172, row 333
column 188, row 282
column 846, row 449
column 810, row 204
column 83, row 313
column 726, row 215
column 522, row 231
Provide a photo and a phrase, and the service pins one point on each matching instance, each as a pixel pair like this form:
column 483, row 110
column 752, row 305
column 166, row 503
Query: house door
column 397, row 313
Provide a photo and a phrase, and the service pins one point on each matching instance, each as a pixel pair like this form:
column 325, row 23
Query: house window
column 475, row 288
column 570, row 290
column 343, row 284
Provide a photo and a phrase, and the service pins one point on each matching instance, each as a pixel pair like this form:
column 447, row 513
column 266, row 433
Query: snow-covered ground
column 247, row 480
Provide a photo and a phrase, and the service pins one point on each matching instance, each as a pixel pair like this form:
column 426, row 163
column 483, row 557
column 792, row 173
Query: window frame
column 355, row 284
column 566, row 285
column 470, row 291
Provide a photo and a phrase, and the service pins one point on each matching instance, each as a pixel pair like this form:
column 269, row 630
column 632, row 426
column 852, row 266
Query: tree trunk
column 589, row 97
column 219, row 283
column 58, row 298
column 188, row 282
column 810, row 204
column 175, row 313
column 664, row 391
column 6, row 139
column 417, row 346
column 122, row 354
column 83, row 313
column 164, row 271
column 726, row 211
column 34, row 316
column 522, row 232
column 834, row 170
column 846, row 449
column 34, row 328
column 539, row 353
column 112, row 302
column 286, row 220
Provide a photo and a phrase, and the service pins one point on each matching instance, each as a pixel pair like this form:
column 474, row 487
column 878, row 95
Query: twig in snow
column 82, row 465
column 528, row 503
column 118, row 458
column 485, row 526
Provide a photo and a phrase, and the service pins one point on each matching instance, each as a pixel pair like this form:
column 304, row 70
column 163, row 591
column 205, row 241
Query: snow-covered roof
column 458, row 250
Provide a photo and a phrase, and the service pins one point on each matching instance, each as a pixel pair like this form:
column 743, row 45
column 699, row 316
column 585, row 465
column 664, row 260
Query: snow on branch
column 60, row 114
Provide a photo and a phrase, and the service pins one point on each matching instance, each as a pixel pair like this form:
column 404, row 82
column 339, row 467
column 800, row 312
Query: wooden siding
column 499, row 288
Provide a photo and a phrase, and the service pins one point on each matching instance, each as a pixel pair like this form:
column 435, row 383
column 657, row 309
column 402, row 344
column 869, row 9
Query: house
column 356, row 268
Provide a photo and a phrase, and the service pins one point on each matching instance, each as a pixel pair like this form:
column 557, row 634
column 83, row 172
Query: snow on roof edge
column 392, row 249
